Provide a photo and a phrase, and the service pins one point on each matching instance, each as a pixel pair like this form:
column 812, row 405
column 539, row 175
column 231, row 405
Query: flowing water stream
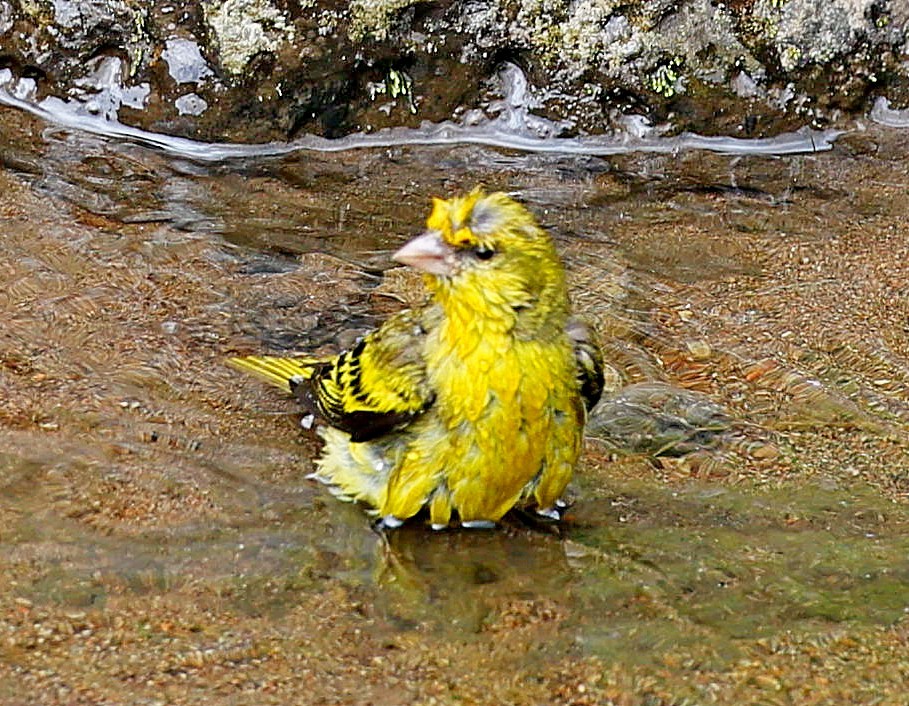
column 739, row 532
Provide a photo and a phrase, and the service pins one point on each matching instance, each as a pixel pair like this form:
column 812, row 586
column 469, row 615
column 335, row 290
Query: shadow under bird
column 472, row 404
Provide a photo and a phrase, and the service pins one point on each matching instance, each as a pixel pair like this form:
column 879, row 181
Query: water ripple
column 514, row 127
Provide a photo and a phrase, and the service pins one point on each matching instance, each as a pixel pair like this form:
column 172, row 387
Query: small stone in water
column 699, row 350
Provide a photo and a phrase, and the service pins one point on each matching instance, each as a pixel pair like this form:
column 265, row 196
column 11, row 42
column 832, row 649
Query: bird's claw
column 478, row 524
column 388, row 522
column 550, row 513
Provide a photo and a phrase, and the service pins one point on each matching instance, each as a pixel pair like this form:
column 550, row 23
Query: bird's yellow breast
column 502, row 406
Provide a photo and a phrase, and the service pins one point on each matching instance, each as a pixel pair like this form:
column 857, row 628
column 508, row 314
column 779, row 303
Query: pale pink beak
column 428, row 252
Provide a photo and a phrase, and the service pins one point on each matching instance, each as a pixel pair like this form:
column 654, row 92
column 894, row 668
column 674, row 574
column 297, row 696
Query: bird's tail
column 285, row 373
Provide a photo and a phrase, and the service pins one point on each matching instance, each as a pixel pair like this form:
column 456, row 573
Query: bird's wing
column 378, row 386
column 589, row 361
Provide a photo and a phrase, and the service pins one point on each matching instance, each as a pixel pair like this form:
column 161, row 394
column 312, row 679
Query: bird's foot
column 556, row 511
column 388, row 522
column 478, row 524
column 550, row 513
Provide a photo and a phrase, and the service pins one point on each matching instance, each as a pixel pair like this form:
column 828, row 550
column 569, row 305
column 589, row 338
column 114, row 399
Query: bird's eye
column 485, row 253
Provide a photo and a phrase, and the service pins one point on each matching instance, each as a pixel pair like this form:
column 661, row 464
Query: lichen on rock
column 375, row 18
column 243, row 28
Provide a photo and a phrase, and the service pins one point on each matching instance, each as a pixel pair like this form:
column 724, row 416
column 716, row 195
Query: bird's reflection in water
column 462, row 579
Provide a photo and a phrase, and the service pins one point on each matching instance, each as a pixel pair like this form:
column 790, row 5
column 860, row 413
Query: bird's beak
column 429, row 253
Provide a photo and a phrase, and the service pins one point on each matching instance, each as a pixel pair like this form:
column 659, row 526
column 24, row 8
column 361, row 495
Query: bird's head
column 488, row 250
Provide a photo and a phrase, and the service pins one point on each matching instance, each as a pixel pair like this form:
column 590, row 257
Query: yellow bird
column 474, row 403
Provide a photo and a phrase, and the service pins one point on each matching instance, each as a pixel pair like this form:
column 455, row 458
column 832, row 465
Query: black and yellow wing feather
column 377, row 387
column 589, row 361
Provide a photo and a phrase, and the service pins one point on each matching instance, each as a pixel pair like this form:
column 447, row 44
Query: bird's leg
column 440, row 508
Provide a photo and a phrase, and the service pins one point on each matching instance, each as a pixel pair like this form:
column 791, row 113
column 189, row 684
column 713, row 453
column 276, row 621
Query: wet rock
column 659, row 419
column 185, row 62
column 190, row 104
column 271, row 69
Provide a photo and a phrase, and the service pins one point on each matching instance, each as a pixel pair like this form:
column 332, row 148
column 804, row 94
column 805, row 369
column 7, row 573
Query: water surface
column 740, row 511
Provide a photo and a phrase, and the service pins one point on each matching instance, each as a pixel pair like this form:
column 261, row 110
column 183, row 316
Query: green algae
column 720, row 565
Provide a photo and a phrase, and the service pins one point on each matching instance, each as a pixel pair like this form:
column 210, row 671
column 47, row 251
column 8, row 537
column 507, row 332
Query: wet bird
column 474, row 403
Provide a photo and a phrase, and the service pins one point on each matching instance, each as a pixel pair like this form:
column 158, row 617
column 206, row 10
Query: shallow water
column 744, row 487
